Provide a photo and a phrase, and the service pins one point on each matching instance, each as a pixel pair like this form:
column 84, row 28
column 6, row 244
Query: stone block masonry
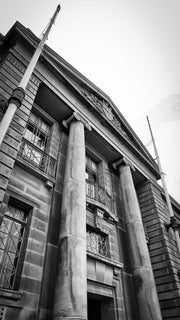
column 30, row 189
column 11, row 72
column 146, row 295
column 162, row 248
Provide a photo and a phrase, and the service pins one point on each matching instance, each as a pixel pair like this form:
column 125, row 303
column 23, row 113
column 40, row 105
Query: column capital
column 17, row 96
column 76, row 116
column 123, row 162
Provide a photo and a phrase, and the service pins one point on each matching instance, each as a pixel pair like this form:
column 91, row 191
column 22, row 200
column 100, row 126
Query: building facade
column 83, row 221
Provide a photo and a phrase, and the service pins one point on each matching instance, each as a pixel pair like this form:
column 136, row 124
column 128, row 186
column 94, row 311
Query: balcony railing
column 38, row 158
column 98, row 193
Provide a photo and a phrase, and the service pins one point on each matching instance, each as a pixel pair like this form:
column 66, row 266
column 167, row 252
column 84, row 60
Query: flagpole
column 19, row 93
column 173, row 222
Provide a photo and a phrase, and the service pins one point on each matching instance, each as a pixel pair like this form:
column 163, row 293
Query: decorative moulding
column 78, row 117
column 104, row 108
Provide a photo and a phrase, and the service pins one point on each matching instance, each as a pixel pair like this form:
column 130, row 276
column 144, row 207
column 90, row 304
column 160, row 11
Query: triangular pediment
column 110, row 115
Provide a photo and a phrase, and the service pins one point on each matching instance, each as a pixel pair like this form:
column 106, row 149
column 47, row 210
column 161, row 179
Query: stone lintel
column 123, row 162
column 76, row 116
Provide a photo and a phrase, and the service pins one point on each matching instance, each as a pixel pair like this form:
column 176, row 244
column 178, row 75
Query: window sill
column 105, row 260
column 10, row 294
column 38, row 173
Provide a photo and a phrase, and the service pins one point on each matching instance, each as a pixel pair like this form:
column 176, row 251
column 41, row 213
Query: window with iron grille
column 35, row 145
column 37, row 133
column 12, row 231
column 98, row 183
column 97, row 242
column 91, row 177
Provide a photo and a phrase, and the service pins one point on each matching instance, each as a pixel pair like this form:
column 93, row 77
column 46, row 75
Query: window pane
column 94, row 166
column 40, row 141
column 29, row 135
column 16, row 213
column 108, row 185
column 90, row 164
column 32, row 155
column 11, row 236
column 90, row 190
column 44, row 127
column 37, row 131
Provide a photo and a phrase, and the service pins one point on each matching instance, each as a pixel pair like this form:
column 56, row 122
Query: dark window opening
column 94, row 309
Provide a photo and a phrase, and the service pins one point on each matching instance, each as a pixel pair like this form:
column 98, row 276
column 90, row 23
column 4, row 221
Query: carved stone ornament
column 107, row 110
column 103, row 107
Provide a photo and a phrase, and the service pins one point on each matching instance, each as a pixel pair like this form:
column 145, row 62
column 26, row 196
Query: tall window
column 12, row 232
column 37, row 133
column 35, row 144
column 91, row 177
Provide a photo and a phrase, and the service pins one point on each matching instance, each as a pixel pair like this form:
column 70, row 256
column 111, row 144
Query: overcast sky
column 128, row 48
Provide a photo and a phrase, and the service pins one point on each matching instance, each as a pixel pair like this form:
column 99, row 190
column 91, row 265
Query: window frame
column 46, row 165
column 16, row 203
column 98, row 232
column 37, row 131
column 40, row 117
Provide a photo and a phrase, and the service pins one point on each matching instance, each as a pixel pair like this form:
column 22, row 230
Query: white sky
column 128, row 48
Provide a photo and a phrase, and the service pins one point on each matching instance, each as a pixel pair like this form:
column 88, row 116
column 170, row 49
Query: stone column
column 146, row 295
column 70, row 300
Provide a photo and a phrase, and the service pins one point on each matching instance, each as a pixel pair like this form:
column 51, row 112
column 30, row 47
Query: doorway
column 94, row 309
column 100, row 307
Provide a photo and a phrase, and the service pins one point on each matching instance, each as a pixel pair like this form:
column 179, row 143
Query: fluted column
column 71, row 285
column 147, row 300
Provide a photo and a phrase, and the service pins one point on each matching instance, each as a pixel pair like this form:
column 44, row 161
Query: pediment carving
column 104, row 108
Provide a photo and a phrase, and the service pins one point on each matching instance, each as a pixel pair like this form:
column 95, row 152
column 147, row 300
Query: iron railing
column 37, row 157
column 100, row 194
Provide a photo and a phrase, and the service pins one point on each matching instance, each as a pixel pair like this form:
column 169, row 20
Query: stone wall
column 11, row 72
column 30, row 190
column 162, row 249
column 20, row 181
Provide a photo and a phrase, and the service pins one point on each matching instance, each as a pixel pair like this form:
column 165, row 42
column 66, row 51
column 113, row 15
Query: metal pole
column 172, row 217
column 19, row 93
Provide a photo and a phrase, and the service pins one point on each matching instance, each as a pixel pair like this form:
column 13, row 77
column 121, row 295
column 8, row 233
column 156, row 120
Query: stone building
column 83, row 221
